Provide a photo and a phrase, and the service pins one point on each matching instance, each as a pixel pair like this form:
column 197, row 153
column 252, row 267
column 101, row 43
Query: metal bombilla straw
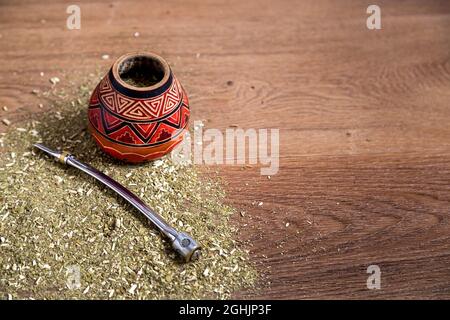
column 182, row 243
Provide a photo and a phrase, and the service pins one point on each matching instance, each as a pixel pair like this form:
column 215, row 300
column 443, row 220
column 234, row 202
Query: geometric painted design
column 145, row 130
column 175, row 118
column 111, row 121
column 135, row 128
column 138, row 133
column 151, row 109
column 138, row 122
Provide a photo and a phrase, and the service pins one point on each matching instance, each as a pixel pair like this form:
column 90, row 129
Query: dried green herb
column 54, row 218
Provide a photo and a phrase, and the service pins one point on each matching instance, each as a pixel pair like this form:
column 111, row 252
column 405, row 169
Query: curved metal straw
column 182, row 243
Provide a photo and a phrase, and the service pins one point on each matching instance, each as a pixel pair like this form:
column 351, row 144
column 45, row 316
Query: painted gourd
column 139, row 111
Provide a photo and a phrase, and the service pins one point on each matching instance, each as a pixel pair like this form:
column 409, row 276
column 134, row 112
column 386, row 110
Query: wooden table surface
column 364, row 121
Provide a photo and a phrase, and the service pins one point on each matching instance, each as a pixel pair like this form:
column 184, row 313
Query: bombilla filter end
column 186, row 247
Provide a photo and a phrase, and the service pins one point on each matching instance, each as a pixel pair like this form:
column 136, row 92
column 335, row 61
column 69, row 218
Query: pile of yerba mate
column 63, row 235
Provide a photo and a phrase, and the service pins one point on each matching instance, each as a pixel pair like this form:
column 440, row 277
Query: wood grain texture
column 363, row 117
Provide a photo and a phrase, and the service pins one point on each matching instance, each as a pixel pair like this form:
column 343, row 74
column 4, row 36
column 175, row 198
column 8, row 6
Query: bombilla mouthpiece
column 47, row 150
column 60, row 156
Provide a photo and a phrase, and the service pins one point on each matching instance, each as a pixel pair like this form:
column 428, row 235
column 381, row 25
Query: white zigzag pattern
column 140, row 109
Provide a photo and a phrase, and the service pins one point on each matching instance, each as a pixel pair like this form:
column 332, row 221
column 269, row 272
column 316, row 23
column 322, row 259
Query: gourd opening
column 141, row 71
